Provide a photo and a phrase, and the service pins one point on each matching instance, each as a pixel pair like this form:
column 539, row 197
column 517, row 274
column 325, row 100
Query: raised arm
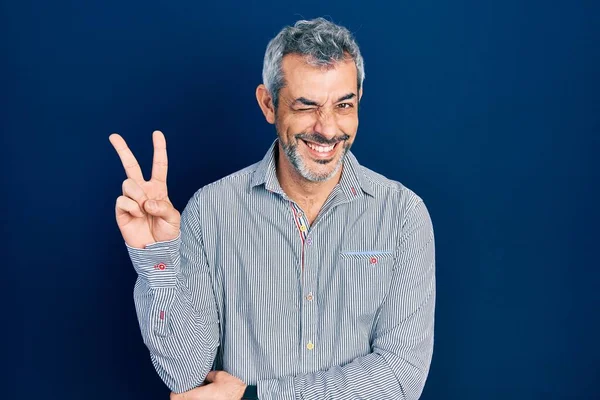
column 176, row 306
column 173, row 294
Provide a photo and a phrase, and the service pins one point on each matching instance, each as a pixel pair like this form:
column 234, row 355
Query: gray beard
column 292, row 154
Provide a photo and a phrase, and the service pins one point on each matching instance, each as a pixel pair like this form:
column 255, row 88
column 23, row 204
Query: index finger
column 130, row 163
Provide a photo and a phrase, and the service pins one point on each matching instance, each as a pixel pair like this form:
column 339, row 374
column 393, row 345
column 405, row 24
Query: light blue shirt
column 342, row 309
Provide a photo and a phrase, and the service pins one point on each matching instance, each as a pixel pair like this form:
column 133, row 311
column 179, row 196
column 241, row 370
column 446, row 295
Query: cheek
column 348, row 124
column 300, row 123
column 292, row 124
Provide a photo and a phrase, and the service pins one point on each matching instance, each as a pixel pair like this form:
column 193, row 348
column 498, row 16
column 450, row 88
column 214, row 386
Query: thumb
column 163, row 209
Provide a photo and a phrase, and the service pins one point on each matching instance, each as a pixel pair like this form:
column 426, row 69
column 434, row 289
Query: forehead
column 314, row 82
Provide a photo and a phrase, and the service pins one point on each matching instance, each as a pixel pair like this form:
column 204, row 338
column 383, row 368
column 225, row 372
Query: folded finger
column 134, row 191
column 125, row 205
column 163, row 209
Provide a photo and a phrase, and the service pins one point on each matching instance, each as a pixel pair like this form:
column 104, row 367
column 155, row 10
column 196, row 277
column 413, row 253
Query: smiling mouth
column 319, row 150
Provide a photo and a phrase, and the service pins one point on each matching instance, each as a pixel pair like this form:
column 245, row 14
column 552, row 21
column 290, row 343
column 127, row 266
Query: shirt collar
column 353, row 182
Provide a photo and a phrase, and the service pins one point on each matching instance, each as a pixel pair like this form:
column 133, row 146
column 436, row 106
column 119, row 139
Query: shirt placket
column 308, row 307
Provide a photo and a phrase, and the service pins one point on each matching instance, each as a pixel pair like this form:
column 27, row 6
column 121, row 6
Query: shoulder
column 389, row 189
column 228, row 187
column 395, row 196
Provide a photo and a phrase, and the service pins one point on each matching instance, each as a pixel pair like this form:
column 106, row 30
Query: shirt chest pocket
column 366, row 277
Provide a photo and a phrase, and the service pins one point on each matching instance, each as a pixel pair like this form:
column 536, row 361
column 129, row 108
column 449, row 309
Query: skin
column 317, row 104
column 145, row 215
column 221, row 386
column 320, row 105
column 144, row 212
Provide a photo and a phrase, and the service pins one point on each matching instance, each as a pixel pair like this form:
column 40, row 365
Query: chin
column 312, row 166
column 319, row 175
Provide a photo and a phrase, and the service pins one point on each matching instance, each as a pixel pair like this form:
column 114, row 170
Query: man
column 304, row 275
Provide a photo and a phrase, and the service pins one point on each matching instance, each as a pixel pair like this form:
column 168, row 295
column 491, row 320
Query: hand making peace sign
column 144, row 212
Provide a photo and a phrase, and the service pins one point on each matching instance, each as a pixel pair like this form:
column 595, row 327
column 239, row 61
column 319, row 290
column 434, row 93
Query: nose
column 326, row 124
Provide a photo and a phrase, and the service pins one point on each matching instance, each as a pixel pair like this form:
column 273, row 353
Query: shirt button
column 310, row 345
column 309, row 297
column 303, row 228
column 309, row 241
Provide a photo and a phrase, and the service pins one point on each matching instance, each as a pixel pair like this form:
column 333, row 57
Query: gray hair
column 320, row 40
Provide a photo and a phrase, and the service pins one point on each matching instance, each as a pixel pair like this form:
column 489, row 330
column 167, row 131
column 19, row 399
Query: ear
column 360, row 93
column 265, row 102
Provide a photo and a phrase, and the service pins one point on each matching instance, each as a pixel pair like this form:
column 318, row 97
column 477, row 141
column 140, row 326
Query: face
column 317, row 116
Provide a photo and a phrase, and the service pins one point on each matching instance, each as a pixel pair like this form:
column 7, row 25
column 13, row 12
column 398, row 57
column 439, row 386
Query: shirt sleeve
column 175, row 304
column 402, row 346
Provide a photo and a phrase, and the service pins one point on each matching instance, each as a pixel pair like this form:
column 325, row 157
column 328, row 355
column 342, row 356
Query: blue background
column 488, row 110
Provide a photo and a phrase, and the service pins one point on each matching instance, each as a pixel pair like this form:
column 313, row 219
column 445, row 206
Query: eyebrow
column 346, row 97
column 308, row 102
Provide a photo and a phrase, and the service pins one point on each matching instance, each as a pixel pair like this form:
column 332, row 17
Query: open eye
column 345, row 105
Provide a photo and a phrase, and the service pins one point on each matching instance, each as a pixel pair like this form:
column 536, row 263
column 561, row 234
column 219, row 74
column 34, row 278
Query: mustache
column 316, row 138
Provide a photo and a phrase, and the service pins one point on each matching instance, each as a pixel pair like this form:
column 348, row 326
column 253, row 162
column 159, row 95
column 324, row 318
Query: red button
column 160, row 266
column 373, row 260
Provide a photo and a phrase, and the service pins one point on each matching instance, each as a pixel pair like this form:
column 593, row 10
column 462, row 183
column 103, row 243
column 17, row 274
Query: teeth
column 320, row 149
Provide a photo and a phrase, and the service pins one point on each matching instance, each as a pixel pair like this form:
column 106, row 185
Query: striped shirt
column 341, row 309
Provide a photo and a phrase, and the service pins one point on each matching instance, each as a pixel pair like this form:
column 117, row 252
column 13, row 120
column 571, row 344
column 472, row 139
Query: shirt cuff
column 157, row 263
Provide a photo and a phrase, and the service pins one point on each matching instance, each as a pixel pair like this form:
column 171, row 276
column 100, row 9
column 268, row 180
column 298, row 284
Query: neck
column 307, row 193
